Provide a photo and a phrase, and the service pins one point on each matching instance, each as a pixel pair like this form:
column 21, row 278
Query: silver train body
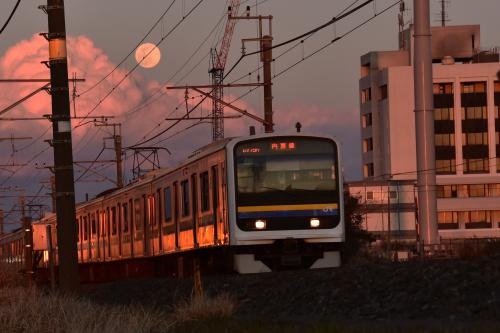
column 271, row 201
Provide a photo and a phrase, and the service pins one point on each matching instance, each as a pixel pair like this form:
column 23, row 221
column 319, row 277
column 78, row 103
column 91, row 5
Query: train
column 268, row 202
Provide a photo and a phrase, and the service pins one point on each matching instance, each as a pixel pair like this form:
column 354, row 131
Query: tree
column 355, row 236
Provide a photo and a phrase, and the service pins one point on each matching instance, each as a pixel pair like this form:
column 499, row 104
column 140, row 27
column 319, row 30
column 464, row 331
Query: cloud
column 23, row 60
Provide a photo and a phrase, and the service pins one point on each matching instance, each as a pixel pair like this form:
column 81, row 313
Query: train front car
column 285, row 202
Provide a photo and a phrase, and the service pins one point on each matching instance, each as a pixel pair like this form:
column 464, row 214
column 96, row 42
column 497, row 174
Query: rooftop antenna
column 443, row 14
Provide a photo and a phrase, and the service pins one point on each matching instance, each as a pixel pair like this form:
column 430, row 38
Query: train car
column 270, row 201
column 12, row 248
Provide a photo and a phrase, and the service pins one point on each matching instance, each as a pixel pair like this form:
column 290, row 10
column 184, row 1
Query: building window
column 205, row 192
column 475, row 165
column 366, row 120
column 477, row 190
column 447, row 191
column 447, row 220
column 444, row 139
column 383, row 92
column 443, row 114
column 368, row 170
column 473, row 87
column 445, row 166
column 393, row 194
column 477, row 219
column 474, row 112
column 442, row 88
column 185, row 197
column 475, row 139
column 369, row 195
column 366, row 95
column 367, row 145
column 494, row 190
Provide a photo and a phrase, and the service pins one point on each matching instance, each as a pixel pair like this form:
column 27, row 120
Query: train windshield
column 286, row 170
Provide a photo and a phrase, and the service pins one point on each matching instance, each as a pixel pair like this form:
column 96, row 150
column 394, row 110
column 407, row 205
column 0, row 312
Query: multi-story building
column 466, row 121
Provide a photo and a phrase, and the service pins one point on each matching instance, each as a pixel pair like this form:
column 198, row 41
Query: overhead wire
column 10, row 16
column 101, row 100
column 131, row 52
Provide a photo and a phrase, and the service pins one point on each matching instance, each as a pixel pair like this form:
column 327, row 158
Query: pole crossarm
column 229, row 85
column 235, row 108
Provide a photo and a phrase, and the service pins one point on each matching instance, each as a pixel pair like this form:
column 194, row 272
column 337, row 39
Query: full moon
column 146, row 59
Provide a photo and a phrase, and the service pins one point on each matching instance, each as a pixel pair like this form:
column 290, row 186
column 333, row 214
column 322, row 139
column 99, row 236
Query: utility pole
column 266, row 57
column 424, row 124
column 63, row 151
column 28, row 238
column 1, row 221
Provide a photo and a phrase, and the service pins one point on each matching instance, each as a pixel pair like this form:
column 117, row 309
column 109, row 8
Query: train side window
column 94, row 227
column 168, row 204
column 137, row 214
column 125, row 217
column 185, row 197
column 205, row 192
column 113, row 220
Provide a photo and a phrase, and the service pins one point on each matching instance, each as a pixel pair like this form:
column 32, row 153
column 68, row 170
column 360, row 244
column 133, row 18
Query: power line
column 139, row 62
column 310, row 32
column 132, row 51
column 10, row 16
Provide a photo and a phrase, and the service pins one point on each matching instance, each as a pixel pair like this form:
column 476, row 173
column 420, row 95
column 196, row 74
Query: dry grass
column 205, row 309
column 29, row 310
column 9, row 276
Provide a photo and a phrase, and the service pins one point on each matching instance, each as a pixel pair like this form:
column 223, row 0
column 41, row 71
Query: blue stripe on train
column 287, row 213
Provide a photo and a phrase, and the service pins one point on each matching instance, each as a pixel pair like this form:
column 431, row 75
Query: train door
column 131, row 232
column 125, row 231
column 152, row 224
column 176, row 214
column 80, row 239
column 113, row 226
column 159, row 219
column 93, row 236
column 138, row 229
column 146, row 226
column 108, row 233
column 119, row 228
column 98, row 235
column 194, row 195
column 215, row 203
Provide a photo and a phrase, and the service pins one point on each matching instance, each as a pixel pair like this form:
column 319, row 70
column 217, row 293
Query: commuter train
column 271, row 201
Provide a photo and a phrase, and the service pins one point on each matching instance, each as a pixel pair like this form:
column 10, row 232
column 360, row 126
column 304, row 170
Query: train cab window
column 113, row 220
column 93, row 224
column 168, row 204
column 205, row 192
column 137, row 214
column 125, row 217
column 185, row 198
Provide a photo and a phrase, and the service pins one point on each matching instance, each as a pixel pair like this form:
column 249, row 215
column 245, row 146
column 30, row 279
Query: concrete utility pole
column 1, row 222
column 267, row 57
column 28, row 238
column 63, row 151
column 424, row 124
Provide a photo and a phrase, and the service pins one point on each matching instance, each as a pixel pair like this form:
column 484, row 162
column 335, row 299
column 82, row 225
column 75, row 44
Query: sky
column 321, row 92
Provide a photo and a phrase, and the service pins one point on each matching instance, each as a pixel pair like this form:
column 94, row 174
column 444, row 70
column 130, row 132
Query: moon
column 146, row 59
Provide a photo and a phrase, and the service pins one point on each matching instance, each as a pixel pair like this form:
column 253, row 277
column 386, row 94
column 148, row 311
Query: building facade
column 466, row 121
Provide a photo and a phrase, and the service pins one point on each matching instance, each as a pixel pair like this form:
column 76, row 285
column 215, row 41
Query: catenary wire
column 10, row 16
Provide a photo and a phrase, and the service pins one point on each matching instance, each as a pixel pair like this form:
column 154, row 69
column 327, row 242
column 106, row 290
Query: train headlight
column 314, row 222
column 260, row 224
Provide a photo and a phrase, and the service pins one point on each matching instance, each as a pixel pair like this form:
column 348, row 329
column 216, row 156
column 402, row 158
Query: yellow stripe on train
column 246, row 209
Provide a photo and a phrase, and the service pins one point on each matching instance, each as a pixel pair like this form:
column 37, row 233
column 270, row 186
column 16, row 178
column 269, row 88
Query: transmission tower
column 217, row 72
